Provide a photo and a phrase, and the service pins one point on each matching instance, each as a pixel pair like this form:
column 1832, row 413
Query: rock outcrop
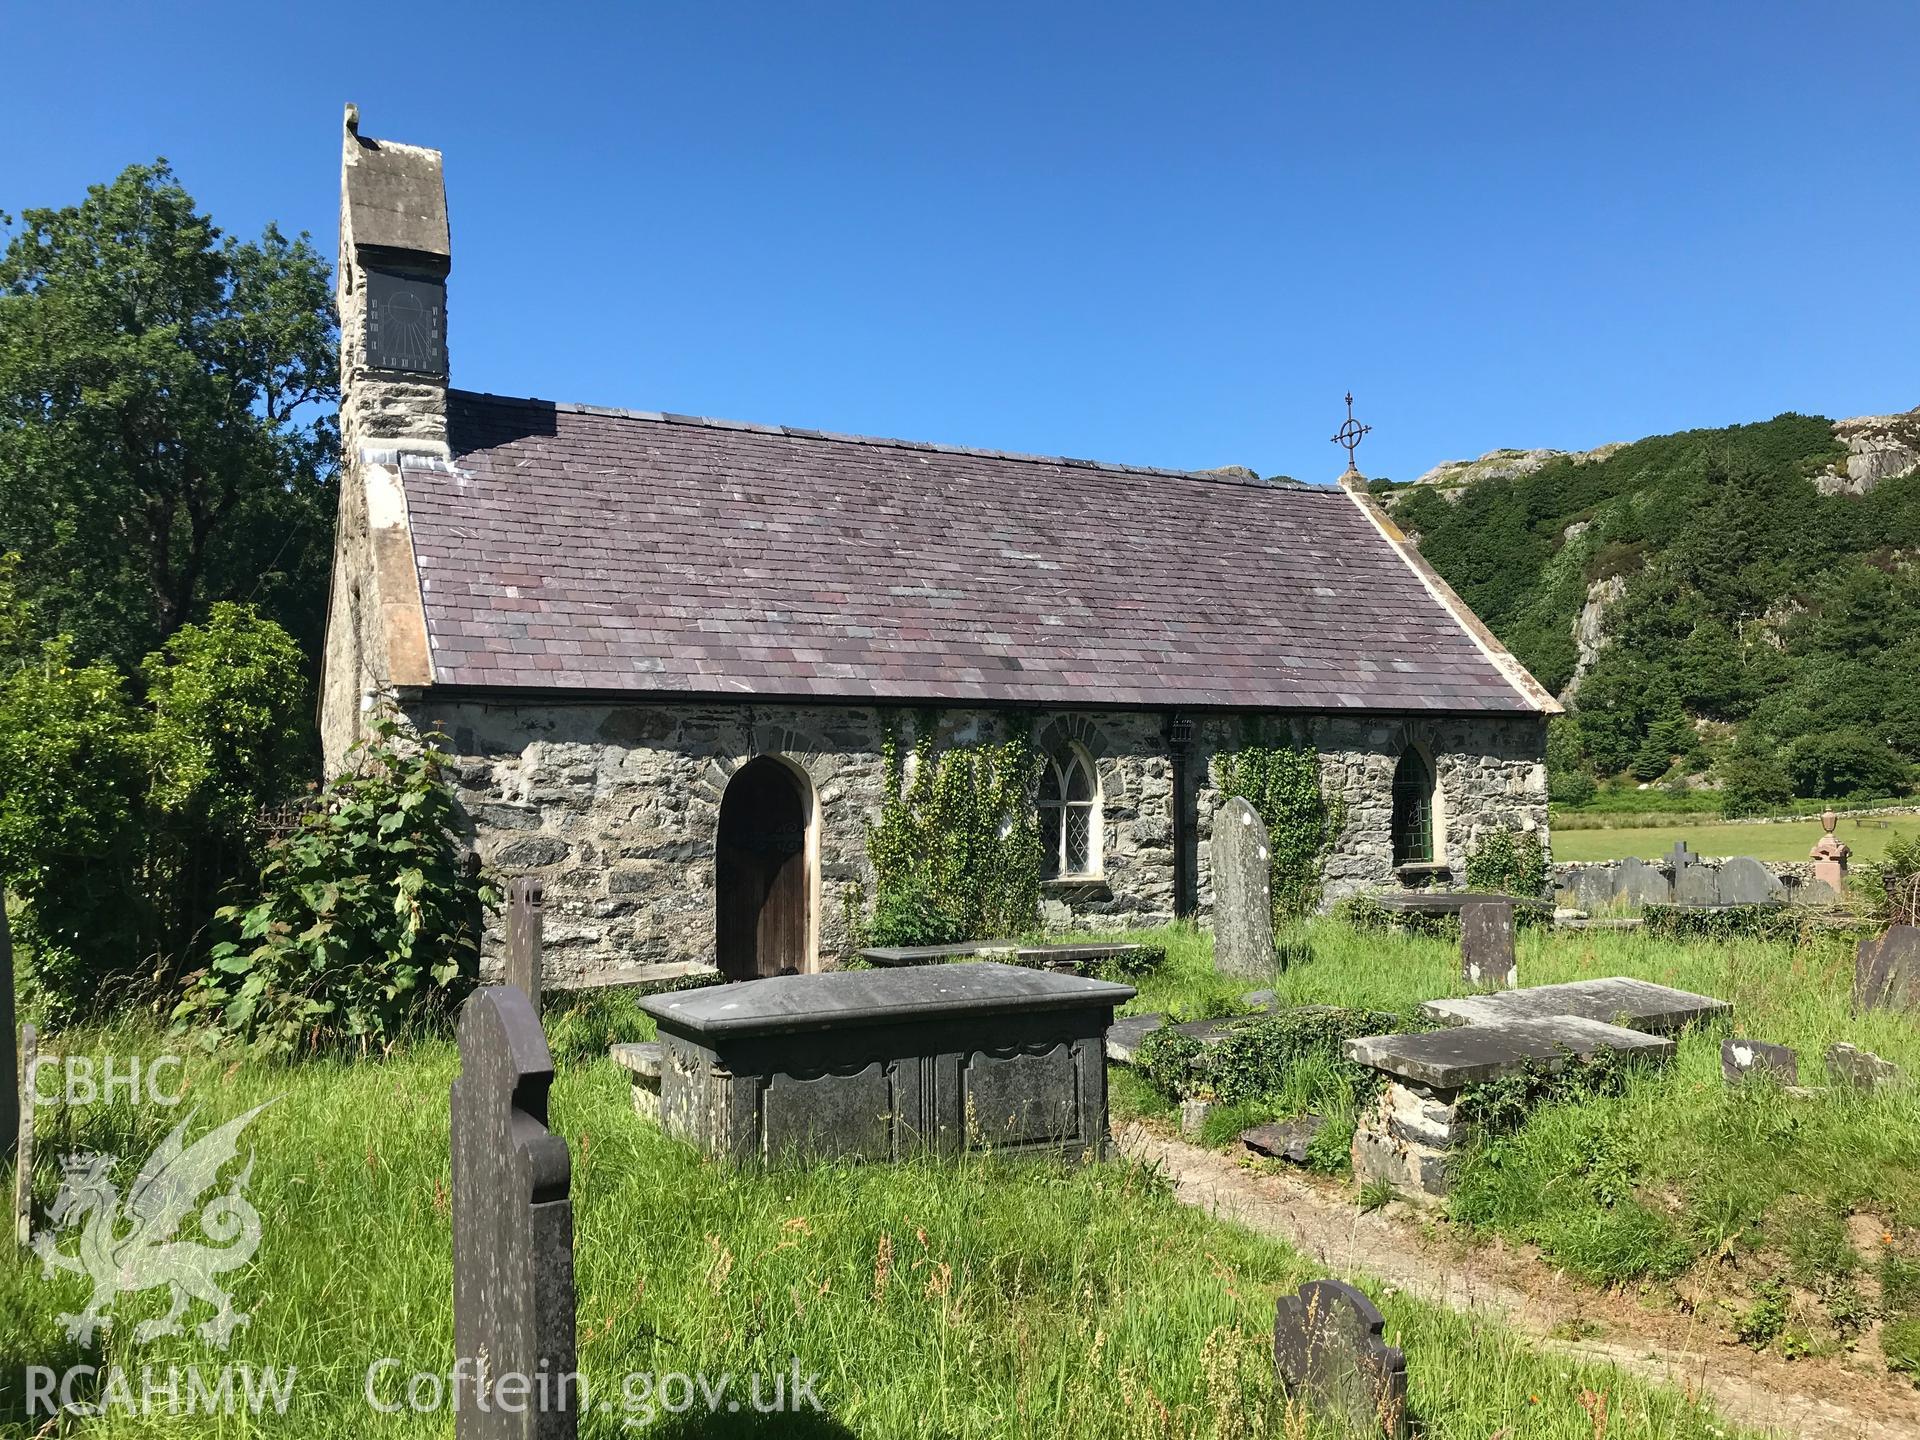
column 1879, row 447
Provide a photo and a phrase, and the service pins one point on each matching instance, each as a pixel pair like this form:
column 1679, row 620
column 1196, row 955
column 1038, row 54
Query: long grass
column 977, row 1298
column 1678, row 1175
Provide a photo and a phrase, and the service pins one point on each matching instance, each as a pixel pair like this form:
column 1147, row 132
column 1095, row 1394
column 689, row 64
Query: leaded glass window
column 1069, row 815
column 1412, row 810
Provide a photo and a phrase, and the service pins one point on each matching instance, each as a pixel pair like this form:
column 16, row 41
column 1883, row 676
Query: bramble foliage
column 165, row 439
column 368, row 919
column 1762, row 622
column 1281, row 780
column 956, row 851
column 1513, row 863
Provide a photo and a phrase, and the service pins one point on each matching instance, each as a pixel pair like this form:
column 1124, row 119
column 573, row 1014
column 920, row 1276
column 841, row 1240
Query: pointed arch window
column 1412, row 810
column 1069, row 815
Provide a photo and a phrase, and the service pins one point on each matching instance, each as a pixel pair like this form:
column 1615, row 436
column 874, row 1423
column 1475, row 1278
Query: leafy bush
column 1255, row 1058
column 1722, row 922
column 369, row 919
column 956, row 851
column 72, row 771
column 228, row 734
column 1282, row 783
column 1845, row 762
column 120, row 822
column 1499, row 1107
column 1509, row 862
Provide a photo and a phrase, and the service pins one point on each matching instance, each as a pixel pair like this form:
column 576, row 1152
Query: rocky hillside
column 1712, row 602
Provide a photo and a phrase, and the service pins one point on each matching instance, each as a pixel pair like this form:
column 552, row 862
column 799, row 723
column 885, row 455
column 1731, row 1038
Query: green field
column 1785, row 841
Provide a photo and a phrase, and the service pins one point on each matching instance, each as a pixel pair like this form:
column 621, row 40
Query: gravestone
column 1242, row 892
column 884, row 1064
column 1474, row 1054
column 1859, row 1069
column 1596, row 887
column 23, row 1148
column 11, row 1105
column 1328, row 1351
column 1745, row 881
column 1641, row 884
column 1829, row 856
column 1125, row 1037
column 643, row 1061
column 1615, row 999
column 1284, row 1139
column 513, row 1295
column 526, row 899
column 1486, row 946
column 1886, row 971
column 1693, row 883
column 1741, row 1059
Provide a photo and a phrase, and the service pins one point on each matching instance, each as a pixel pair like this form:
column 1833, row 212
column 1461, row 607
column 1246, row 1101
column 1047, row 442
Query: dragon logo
column 132, row 1248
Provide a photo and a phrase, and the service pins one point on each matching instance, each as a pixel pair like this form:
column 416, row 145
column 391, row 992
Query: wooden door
column 761, row 883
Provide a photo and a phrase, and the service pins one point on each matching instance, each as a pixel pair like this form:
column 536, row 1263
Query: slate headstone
column 1327, row 1350
column 23, row 1147
column 1693, row 883
column 1742, row 1059
column 513, row 1293
column 1886, row 971
column 526, row 898
column 1284, row 1139
column 1242, row 892
column 1124, row 1037
column 11, row 1106
column 1641, row 884
column 1486, row 945
column 1596, row 887
column 1859, row 1069
column 1745, row 881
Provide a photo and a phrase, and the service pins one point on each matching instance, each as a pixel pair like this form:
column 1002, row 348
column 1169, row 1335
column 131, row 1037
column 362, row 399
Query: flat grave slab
column 1064, row 958
column 1124, row 1037
column 1636, row 1004
column 1449, row 902
column 1474, row 1054
column 881, row 1064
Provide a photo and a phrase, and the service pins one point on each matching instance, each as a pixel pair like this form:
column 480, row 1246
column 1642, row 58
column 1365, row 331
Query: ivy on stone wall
column 956, row 850
column 1282, row 783
column 1510, row 862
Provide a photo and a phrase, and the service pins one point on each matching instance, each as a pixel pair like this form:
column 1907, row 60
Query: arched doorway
column 762, row 887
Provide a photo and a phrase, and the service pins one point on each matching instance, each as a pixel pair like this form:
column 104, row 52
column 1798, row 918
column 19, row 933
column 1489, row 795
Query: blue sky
column 1168, row 234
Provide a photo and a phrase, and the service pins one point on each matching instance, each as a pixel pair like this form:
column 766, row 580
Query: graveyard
column 795, row 793
column 986, row 1292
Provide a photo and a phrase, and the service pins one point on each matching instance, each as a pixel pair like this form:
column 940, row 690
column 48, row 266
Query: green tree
column 1845, row 762
column 229, row 725
column 165, row 440
column 72, row 769
column 1752, row 779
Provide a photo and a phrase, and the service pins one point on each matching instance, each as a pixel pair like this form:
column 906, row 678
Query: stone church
column 665, row 649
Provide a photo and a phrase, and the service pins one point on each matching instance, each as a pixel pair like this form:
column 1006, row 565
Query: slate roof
column 580, row 550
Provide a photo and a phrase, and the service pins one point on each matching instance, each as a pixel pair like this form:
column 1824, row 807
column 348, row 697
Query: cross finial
column 1350, row 434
